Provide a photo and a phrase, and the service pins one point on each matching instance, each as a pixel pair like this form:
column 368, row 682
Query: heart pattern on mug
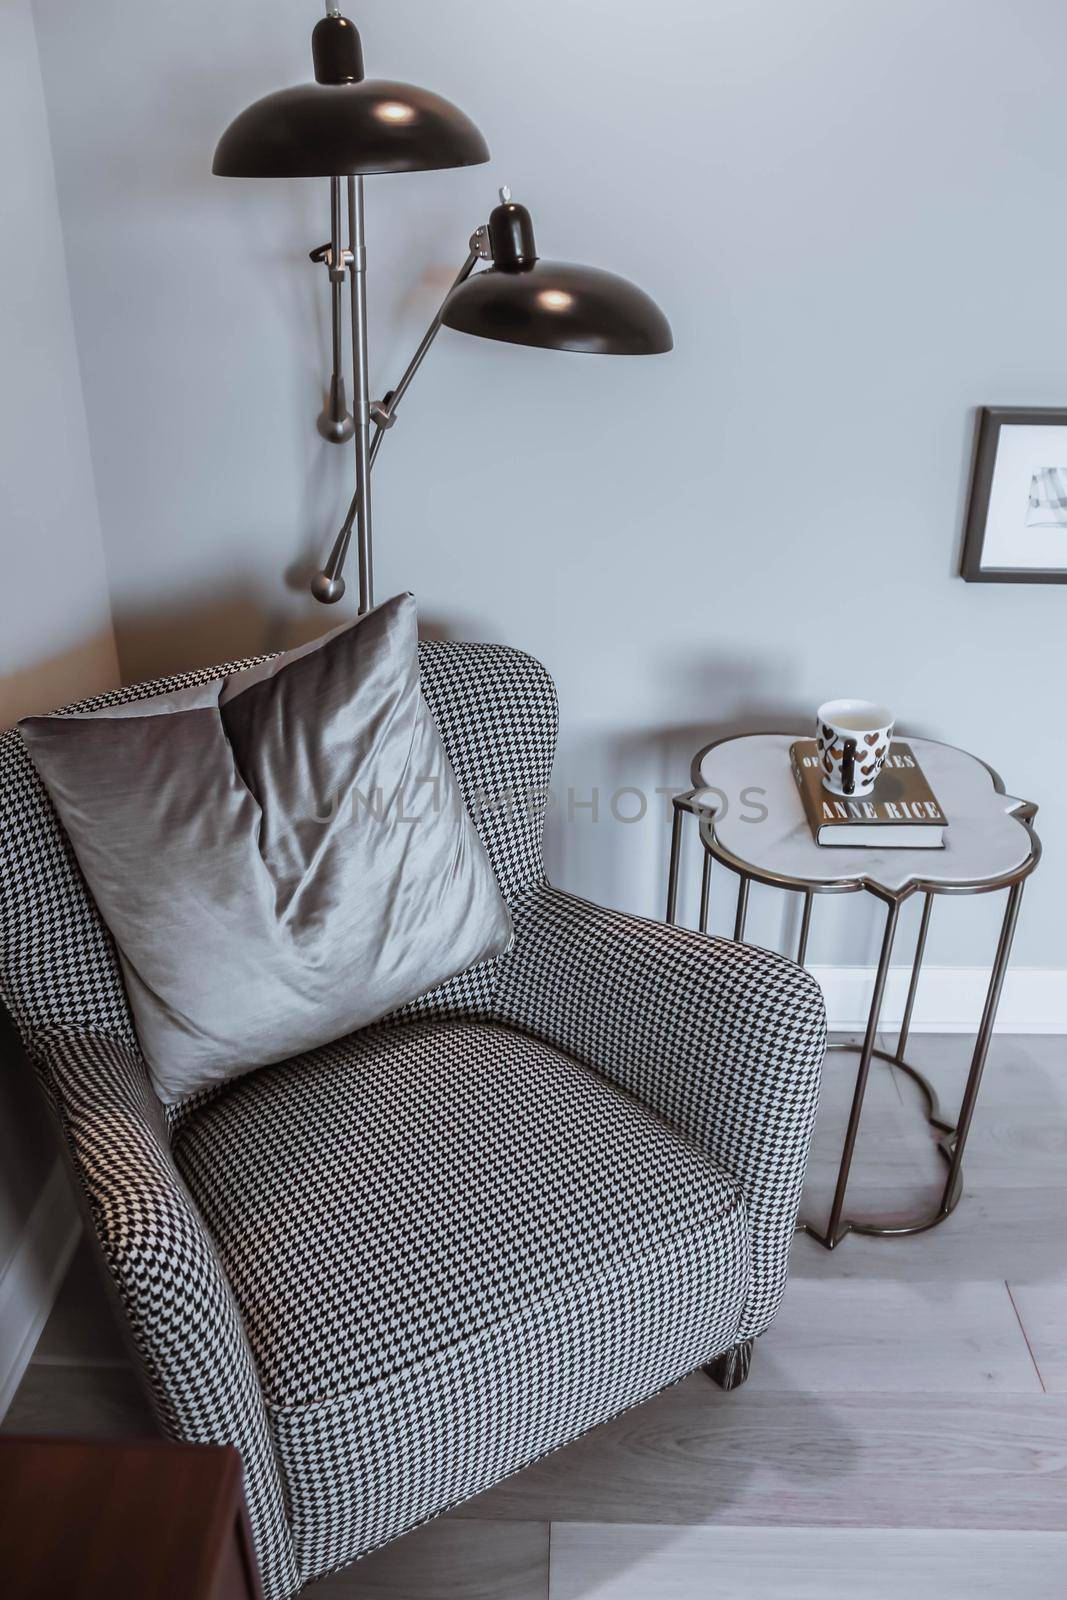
column 870, row 757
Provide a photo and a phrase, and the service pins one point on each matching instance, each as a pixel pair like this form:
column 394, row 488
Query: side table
column 101, row 1519
column 990, row 845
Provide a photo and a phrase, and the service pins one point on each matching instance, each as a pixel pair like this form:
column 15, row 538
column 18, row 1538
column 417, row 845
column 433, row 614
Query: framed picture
column 1017, row 518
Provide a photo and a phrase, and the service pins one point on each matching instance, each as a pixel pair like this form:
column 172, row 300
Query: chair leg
column 731, row 1369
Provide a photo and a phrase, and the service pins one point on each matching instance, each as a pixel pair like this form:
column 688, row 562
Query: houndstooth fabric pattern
column 429, row 1438
column 57, row 961
column 528, row 1349
column 483, row 1241
column 496, row 711
column 179, row 1307
column 60, row 981
column 725, row 1041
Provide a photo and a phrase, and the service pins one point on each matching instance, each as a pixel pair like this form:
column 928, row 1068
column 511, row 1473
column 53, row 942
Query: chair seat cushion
column 453, row 1223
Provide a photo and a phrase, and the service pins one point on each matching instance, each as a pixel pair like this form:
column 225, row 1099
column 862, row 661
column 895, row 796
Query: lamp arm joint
column 480, row 245
column 328, row 585
column 324, row 253
column 381, row 411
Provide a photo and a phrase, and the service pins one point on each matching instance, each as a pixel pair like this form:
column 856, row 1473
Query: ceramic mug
column 854, row 737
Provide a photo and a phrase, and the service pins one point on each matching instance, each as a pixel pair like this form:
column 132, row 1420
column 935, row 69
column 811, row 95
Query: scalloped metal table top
column 988, row 842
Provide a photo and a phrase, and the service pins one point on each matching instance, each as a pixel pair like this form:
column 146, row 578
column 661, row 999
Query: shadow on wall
column 607, row 836
column 82, row 669
column 213, row 628
column 608, row 828
column 206, row 631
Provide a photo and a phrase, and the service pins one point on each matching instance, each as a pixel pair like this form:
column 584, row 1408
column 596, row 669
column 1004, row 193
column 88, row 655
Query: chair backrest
column 496, row 709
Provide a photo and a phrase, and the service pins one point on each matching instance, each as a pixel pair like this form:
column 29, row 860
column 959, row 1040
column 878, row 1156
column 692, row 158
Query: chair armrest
column 181, row 1315
column 724, row 1041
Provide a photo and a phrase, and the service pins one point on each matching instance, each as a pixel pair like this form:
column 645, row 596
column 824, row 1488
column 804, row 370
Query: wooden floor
column 903, row 1435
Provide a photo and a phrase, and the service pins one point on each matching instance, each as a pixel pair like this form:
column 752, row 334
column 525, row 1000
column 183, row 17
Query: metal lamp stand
column 357, row 269
column 345, row 125
column 328, row 585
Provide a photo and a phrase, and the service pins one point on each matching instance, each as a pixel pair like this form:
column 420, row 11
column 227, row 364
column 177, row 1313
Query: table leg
column 953, row 1182
column 676, row 853
column 805, row 928
column 742, row 909
column 954, row 1144
column 705, row 893
column 916, row 970
column 833, row 1236
column 934, row 1114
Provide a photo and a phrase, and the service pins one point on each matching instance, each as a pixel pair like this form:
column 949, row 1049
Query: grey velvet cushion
column 282, row 857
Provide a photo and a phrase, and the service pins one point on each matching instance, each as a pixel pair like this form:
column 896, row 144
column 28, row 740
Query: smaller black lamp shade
column 558, row 305
column 555, row 305
column 343, row 125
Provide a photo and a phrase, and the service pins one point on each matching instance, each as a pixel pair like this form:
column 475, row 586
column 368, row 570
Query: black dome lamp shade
column 554, row 305
column 344, row 124
column 347, row 128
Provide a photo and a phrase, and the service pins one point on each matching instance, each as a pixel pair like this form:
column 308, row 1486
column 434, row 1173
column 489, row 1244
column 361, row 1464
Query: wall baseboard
column 950, row 999
column 30, row 1280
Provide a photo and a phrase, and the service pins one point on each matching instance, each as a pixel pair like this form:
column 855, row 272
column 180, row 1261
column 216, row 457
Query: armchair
column 397, row 1269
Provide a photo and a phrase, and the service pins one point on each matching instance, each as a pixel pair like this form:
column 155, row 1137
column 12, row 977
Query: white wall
column 852, row 214
column 56, row 640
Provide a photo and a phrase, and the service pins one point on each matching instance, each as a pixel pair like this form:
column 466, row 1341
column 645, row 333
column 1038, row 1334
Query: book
column 902, row 811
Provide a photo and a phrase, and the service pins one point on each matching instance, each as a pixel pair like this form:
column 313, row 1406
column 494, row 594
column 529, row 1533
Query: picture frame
column 1016, row 528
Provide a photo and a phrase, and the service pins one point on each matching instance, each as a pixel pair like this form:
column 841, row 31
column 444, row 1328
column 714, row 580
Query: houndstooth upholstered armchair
column 395, row 1270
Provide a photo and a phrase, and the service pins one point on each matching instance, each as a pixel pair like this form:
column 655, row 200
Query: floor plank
column 1019, row 1132
column 1020, row 1070
column 1018, row 1137
column 841, row 1337
column 82, row 1325
column 890, row 1146
column 1042, row 1310
column 89, row 1401
column 694, row 1455
column 462, row 1560
column 1017, row 1144
column 634, row 1563
column 996, row 1233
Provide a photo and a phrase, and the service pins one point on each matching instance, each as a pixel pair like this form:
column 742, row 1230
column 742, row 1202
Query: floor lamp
column 346, row 127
